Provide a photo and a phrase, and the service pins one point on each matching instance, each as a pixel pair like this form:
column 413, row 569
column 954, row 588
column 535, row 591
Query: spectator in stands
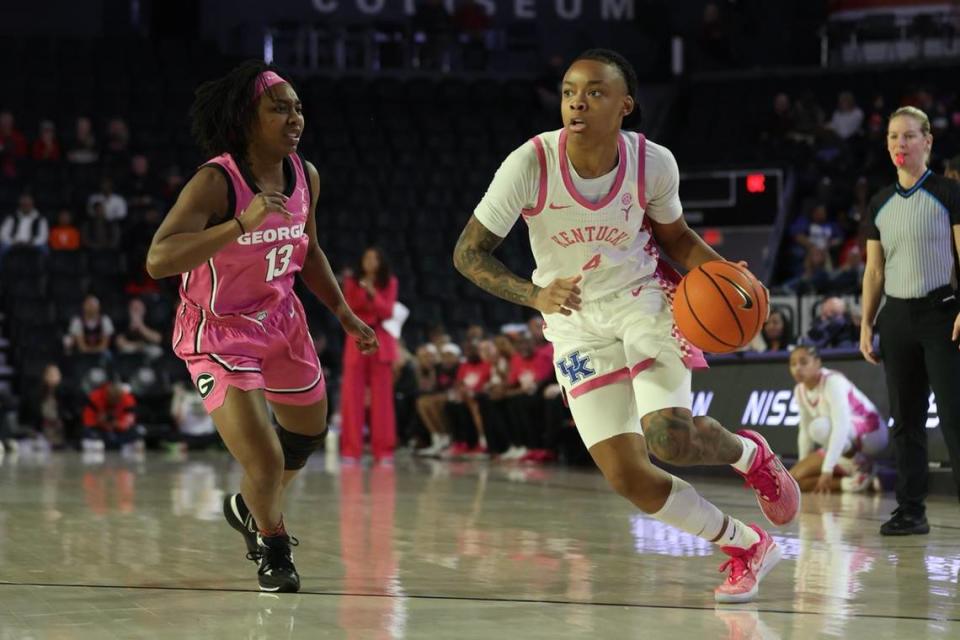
column 541, row 345
column 91, row 331
column 110, row 420
column 848, row 278
column 847, row 118
column 371, row 293
column 431, row 407
column 50, row 408
column 808, row 118
column 64, row 236
column 137, row 337
column 816, row 275
column 141, row 187
column 463, row 410
column 195, row 429
column 25, row 227
column 115, row 152
column 776, row 335
column 516, row 409
column 951, row 168
column 817, row 230
column 114, row 205
column 45, row 147
column 13, row 147
column 776, row 134
column 99, row 233
column 834, row 326
column 83, row 147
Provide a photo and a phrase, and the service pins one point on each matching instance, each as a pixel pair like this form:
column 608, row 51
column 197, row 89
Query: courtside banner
column 758, row 394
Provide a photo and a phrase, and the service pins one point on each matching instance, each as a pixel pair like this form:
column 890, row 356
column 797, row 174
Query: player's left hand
column 824, row 484
column 956, row 329
column 361, row 333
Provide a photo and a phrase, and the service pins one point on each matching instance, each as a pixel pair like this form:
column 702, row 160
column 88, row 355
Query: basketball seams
column 733, row 312
column 693, row 314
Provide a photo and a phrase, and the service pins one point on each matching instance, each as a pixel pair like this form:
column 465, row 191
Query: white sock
column 746, row 458
column 737, row 534
column 688, row 511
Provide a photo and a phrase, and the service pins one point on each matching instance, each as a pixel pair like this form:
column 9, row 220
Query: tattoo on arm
column 473, row 257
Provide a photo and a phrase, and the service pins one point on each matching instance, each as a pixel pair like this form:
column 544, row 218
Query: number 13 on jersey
column 278, row 260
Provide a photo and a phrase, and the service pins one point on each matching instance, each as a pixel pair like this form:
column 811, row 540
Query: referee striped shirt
column 915, row 228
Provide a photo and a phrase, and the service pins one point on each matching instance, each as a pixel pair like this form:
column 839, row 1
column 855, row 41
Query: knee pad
column 298, row 447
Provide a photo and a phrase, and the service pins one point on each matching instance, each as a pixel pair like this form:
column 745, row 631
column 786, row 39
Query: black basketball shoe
column 904, row 523
column 239, row 517
column 276, row 573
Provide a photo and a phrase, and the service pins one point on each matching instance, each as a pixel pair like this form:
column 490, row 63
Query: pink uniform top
column 251, row 275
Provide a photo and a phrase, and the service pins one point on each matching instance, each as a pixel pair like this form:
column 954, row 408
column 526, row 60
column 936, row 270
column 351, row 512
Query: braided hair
column 224, row 110
column 611, row 57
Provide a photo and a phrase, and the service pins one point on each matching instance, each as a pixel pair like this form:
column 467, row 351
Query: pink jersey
column 253, row 274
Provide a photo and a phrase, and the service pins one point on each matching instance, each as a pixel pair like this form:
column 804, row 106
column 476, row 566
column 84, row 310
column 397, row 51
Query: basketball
column 720, row 306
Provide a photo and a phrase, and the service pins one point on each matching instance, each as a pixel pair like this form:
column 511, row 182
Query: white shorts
column 617, row 361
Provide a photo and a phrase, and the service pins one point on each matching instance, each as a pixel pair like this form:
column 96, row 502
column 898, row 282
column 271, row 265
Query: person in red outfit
column 371, row 294
column 109, row 418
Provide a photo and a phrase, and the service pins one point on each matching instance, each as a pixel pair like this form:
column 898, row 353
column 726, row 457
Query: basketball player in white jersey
column 599, row 203
column 839, row 418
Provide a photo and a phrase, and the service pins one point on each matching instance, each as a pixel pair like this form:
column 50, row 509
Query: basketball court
column 126, row 548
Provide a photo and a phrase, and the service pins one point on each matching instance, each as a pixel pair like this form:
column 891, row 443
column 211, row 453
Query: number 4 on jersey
column 278, row 260
column 592, row 264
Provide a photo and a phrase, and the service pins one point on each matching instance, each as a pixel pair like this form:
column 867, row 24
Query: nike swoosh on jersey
column 560, row 206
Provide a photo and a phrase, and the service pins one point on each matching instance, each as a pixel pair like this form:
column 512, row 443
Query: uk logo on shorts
column 575, row 367
column 205, row 383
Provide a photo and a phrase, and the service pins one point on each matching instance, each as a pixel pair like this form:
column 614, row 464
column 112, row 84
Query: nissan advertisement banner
column 759, row 395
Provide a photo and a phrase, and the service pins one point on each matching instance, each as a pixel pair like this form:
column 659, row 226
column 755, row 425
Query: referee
column 914, row 226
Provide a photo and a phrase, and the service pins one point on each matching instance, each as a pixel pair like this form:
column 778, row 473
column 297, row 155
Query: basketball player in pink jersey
column 599, row 204
column 240, row 231
column 838, row 417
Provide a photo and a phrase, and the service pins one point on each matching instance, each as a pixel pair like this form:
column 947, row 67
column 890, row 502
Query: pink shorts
column 271, row 350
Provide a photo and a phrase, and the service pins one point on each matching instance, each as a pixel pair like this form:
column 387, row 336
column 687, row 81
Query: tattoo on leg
column 674, row 436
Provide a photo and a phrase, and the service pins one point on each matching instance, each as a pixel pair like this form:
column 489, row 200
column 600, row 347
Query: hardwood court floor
column 123, row 548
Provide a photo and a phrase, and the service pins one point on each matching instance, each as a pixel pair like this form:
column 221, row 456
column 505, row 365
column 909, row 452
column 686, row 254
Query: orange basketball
column 720, row 306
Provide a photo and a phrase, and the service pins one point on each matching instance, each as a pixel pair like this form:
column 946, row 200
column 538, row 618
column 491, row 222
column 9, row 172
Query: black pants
column 918, row 354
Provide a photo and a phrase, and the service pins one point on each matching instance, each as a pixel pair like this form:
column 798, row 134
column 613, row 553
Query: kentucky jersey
column 603, row 236
column 252, row 274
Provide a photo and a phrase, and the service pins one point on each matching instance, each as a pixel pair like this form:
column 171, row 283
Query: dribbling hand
column 363, row 335
column 560, row 296
column 262, row 205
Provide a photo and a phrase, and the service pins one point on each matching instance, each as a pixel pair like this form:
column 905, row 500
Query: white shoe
column 858, row 482
column 515, row 453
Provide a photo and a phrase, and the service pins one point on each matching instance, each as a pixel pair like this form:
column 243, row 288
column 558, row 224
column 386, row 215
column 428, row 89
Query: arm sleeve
column 804, row 441
column 76, row 327
column 662, row 185
column 108, row 329
column 835, row 393
column 514, row 188
column 6, row 230
column 384, row 299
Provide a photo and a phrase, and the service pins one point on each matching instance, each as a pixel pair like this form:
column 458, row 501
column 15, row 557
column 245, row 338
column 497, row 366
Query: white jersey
column 597, row 227
column 851, row 415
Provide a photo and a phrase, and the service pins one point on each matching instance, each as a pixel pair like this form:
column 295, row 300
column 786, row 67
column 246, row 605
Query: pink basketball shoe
column 778, row 494
column 747, row 568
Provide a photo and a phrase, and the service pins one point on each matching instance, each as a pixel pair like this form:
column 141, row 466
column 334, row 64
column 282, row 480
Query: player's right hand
column 262, row 205
column 866, row 345
column 560, row 296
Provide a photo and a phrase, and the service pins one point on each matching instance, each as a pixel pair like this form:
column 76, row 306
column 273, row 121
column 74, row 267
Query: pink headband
column 263, row 81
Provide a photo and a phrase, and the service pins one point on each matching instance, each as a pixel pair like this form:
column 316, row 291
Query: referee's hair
column 611, row 57
column 916, row 114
